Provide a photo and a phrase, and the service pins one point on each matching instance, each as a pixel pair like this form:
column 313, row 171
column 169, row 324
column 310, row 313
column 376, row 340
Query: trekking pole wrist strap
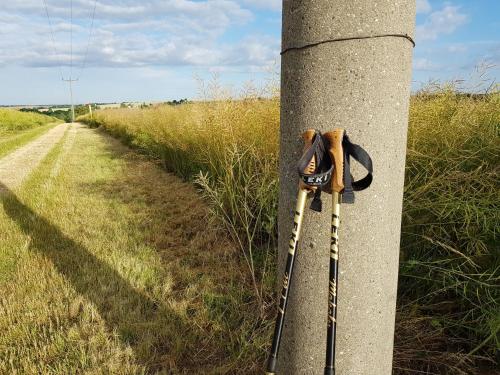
column 361, row 156
column 315, row 167
column 325, row 165
column 316, row 179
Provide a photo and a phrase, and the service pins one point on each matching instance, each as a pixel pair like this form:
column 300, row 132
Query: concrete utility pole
column 70, row 81
column 360, row 83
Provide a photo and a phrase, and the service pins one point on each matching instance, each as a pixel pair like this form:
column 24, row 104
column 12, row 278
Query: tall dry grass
column 450, row 261
column 12, row 120
column 449, row 265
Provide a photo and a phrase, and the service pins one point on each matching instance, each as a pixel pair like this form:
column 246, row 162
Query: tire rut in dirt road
column 16, row 166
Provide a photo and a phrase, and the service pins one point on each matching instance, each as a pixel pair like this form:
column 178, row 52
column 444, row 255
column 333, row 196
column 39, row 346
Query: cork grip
column 336, row 151
column 308, row 137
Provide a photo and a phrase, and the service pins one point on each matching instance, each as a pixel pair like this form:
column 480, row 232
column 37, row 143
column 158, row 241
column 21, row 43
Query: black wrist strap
column 362, row 157
column 322, row 173
column 324, row 168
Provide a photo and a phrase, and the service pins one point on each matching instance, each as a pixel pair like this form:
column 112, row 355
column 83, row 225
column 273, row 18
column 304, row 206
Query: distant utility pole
column 90, row 111
column 70, row 81
column 345, row 64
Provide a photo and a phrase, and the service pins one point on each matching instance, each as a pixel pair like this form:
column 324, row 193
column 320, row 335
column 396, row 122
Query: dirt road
column 108, row 264
column 16, row 166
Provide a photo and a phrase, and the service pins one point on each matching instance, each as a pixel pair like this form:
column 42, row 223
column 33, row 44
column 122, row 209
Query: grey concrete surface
column 364, row 87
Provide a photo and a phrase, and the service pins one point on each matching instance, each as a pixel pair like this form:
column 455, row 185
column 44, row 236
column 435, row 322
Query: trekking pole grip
column 336, row 151
column 312, row 163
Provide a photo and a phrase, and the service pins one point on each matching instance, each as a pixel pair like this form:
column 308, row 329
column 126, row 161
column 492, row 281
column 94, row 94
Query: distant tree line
column 177, row 102
column 148, row 105
column 64, row 115
column 61, row 111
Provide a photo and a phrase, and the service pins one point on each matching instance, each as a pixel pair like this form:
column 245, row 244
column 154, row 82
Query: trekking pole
column 340, row 149
column 337, row 155
column 325, row 165
column 332, row 286
column 297, row 225
column 311, row 162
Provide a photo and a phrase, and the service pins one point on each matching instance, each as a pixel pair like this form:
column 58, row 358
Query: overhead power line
column 71, row 79
column 92, row 16
column 84, row 64
column 52, row 35
column 71, row 40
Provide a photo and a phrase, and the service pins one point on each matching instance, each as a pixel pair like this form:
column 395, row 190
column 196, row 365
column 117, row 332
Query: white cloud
column 130, row 33
column 444, row 21
column 131, row 10
column 274, row 5
column 457, row 48
column 423, row 6
column 424, row 64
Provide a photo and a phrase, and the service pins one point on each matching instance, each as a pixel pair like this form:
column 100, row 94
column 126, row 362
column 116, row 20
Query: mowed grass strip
column 111, row 266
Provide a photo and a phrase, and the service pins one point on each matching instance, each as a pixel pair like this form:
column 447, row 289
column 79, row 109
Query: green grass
column 109, row 266
column 12, row 120
column 448, row 306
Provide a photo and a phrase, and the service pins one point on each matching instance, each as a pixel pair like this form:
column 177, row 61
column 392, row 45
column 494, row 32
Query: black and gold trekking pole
column 333, row 285
column 336, row 152
column 292, row 248
column 340, row 150
column 314, row 171
column 325, row 165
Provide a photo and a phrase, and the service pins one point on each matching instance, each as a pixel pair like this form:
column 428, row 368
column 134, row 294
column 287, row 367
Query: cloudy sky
column 145, row 50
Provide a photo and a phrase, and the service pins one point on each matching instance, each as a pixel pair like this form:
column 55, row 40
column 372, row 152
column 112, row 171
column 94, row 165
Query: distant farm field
column 448, row 306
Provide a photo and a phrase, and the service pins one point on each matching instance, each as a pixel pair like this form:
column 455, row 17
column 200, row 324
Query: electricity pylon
column 70, row 81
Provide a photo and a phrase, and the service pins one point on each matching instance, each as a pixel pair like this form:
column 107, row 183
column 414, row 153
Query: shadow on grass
column 144, row 324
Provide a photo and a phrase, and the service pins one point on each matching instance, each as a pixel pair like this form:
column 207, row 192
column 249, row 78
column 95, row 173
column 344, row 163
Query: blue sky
column 152, row 50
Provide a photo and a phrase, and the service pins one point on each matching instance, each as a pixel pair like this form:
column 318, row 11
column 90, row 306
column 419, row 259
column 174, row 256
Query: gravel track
column 16, row 166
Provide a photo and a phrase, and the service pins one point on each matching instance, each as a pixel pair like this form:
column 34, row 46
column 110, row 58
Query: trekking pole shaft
column 292, row 249
column 332, row 288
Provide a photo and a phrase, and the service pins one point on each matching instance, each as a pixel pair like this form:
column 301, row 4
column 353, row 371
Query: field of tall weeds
column 449, row 300
column 13, row 120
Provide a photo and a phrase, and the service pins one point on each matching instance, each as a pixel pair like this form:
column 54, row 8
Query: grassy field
column 12, row 120
column 108, row 265
column 18, row 128
column 448, row 306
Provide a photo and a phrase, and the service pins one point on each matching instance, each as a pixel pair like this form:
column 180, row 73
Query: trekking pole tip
column 271, row 365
